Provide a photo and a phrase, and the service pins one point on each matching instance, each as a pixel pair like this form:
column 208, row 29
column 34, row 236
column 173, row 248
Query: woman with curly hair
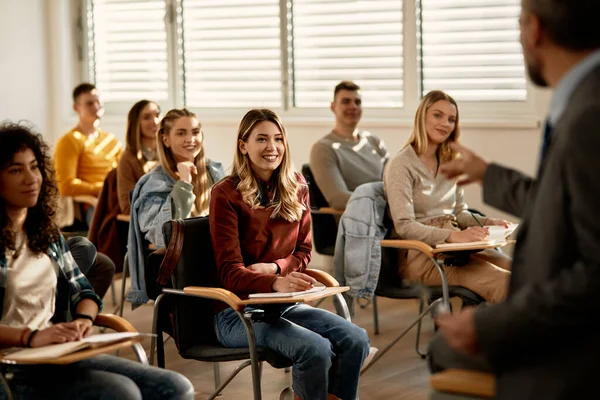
column 260, row 229
column 35, row 264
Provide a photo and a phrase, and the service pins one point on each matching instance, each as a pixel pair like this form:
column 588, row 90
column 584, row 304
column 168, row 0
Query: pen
column 475, row 218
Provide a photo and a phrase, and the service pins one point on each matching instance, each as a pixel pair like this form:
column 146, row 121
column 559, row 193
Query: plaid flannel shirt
column 68, row 271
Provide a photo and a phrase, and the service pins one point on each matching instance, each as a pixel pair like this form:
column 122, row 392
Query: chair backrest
column 325, row 226
column 193, row 322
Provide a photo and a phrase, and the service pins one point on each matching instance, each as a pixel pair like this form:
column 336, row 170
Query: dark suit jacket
column 542, row 342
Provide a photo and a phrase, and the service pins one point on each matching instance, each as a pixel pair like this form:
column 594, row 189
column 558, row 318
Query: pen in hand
column 476, row 220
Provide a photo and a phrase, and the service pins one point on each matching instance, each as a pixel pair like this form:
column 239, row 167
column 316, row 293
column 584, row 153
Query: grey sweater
column 341, row 165
column 415, row 196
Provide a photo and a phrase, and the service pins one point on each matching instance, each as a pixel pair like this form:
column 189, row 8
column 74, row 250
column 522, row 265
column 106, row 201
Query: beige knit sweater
column 416, row 197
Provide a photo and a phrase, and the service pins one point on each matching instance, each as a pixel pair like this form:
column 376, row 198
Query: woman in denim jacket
column 177, row 188
column 36, row 269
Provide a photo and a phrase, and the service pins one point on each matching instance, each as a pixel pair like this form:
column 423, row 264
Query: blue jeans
column 326, row 350
column 101, row 377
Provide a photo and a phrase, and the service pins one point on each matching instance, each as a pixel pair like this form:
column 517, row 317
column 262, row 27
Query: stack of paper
column 499, row 233
column 284, row 294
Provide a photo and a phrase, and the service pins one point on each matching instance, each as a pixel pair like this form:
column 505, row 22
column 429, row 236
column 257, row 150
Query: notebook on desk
column 498, row 235
column 57, row 350
column 277, row 295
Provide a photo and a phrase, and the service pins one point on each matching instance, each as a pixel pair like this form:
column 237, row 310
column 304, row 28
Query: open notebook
column 57, row 350
column 498, row 235
column 277, row 295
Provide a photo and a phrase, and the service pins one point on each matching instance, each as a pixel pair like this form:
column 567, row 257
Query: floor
column 401, row 374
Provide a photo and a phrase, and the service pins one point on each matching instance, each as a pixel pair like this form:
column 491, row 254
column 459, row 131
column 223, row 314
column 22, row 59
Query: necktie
column 545, row 143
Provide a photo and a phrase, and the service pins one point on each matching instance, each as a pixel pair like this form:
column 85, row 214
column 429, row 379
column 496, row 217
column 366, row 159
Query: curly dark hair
column 40, row 225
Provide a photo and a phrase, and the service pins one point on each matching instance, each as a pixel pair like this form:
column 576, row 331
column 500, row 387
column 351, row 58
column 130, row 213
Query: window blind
column 127, row 45
column 231, row 53
column 334, row 40
column 470, row 49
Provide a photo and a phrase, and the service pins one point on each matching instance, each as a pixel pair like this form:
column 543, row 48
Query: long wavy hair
column 419, row 139
column 202, row 181
column 40, row 226
column 286, row 200
column 133, row 136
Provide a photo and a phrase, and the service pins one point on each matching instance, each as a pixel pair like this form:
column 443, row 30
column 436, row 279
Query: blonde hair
column 419, row 139
column 133, row 136
column 286, row 202
column 202, row 181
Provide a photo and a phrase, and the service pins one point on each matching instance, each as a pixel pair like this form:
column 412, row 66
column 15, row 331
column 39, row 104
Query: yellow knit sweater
column 82, row 162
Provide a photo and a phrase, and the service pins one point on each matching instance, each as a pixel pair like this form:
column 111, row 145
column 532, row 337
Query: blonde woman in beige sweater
column 428, row 207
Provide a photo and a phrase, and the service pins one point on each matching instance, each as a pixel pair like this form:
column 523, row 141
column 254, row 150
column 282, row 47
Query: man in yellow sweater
column 84, row 155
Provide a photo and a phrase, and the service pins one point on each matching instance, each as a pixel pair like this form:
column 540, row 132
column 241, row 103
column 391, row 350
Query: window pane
column 127, row 44
column 359, row 40
column 232, row 53
column 470, row 49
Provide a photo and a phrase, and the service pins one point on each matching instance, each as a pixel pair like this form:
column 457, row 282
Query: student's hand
column 468, row 164
column 84, row 327
column 472, row 234
column 459, row 330
column 497, row 221
column 186, row 169
column 264, row 268
column 58, row 333
column 294, row 282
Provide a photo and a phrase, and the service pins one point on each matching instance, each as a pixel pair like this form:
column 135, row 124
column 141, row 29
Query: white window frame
column 510, row 114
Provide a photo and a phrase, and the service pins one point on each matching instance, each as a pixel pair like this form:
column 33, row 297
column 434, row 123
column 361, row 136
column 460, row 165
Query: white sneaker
column 372, row 352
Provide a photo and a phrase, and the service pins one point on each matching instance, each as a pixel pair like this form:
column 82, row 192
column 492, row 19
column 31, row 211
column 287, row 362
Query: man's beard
column 534, row 71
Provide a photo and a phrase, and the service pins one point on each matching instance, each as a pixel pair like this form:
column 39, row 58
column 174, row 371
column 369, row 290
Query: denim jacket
column 151, row 207
column 357, row 256
column 69, row 276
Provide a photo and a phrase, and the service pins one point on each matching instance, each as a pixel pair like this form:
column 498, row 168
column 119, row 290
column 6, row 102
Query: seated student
column 84, row 155
column 346, row 158
column 140, row 154
column 33, row 261
column 178, row 187
column 260, row 229
column 426, row 206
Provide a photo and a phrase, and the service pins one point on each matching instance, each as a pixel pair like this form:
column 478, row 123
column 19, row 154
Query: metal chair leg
column 341, row 307
column 113, row 292
column 253, row 356
column 156, row 341
column 375, row 315
column 423, row 355
column 217, row 374
column 140, row 353
column 237, row 370
column 123, row 285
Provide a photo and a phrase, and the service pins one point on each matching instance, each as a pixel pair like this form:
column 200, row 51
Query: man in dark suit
column 542, row 342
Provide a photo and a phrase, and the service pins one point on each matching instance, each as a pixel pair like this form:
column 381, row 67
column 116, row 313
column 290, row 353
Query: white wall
column 23, row 53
